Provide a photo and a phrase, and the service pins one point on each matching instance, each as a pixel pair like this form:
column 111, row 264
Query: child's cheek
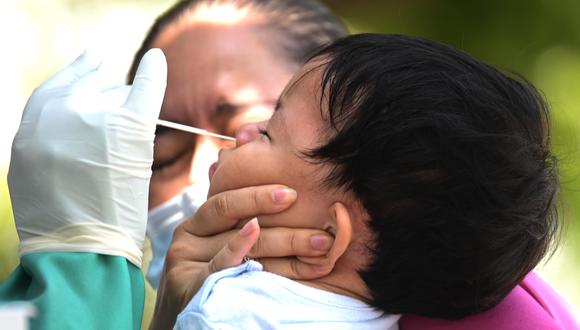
column 235, row 172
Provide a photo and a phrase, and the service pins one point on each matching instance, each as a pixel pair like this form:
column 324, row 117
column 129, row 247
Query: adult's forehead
column 200, row 35
column 209, row 64
column 208, row 47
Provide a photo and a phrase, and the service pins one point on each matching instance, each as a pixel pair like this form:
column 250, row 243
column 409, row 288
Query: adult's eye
column 172, row 153
column 163, row 164
column 226, row 109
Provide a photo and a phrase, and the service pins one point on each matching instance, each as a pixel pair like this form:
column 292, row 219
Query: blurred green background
column 537, row 38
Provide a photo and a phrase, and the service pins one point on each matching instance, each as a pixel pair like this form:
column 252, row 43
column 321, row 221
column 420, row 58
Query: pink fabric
column 532, row 305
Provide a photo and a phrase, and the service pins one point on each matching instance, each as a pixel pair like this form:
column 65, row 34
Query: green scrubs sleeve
column 78, row 290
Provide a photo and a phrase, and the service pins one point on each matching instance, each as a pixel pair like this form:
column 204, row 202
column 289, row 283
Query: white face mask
column 162, row 221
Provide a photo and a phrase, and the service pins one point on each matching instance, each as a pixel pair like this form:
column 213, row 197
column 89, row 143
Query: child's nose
column 248, row 132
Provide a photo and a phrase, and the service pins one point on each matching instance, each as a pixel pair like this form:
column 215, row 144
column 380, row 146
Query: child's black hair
column 451, row 160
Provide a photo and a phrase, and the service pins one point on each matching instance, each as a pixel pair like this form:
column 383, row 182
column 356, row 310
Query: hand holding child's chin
column 207, row 243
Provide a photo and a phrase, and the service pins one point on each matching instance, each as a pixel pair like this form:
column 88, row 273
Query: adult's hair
column 300, row 26
column 451, row 159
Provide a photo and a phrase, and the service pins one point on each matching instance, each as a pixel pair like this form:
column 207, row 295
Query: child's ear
column 340, row 226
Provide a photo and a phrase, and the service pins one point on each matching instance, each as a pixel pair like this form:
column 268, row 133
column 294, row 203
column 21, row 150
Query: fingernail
column 320, row 242
column 284, row 195
column 249, row 227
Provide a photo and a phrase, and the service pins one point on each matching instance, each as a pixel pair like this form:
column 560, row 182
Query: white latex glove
column 81, row 160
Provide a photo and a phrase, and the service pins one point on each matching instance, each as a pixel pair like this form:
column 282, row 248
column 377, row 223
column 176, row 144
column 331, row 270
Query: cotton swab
column 191, row 129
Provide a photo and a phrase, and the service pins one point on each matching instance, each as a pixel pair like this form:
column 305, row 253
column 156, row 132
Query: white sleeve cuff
column 86, row 237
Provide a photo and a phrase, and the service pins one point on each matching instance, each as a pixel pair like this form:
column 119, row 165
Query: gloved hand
column 81, row 160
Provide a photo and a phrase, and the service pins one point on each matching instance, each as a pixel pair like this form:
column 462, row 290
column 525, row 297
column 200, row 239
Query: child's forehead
column 305, row 88
column 310, row 73
column 299, row 112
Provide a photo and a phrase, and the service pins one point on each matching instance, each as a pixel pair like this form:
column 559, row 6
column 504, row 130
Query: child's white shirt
column 245, row 297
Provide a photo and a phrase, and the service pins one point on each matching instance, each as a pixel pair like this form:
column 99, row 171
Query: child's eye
column 263, row 132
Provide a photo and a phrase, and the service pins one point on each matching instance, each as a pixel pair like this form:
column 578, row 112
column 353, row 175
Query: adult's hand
column 205, row 244
column 81, row 159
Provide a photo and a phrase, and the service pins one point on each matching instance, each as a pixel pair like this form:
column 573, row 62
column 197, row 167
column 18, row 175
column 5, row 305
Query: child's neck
column 342, row 280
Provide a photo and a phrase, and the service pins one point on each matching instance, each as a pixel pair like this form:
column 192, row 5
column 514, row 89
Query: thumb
column 146, row 95
column 237, row 248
